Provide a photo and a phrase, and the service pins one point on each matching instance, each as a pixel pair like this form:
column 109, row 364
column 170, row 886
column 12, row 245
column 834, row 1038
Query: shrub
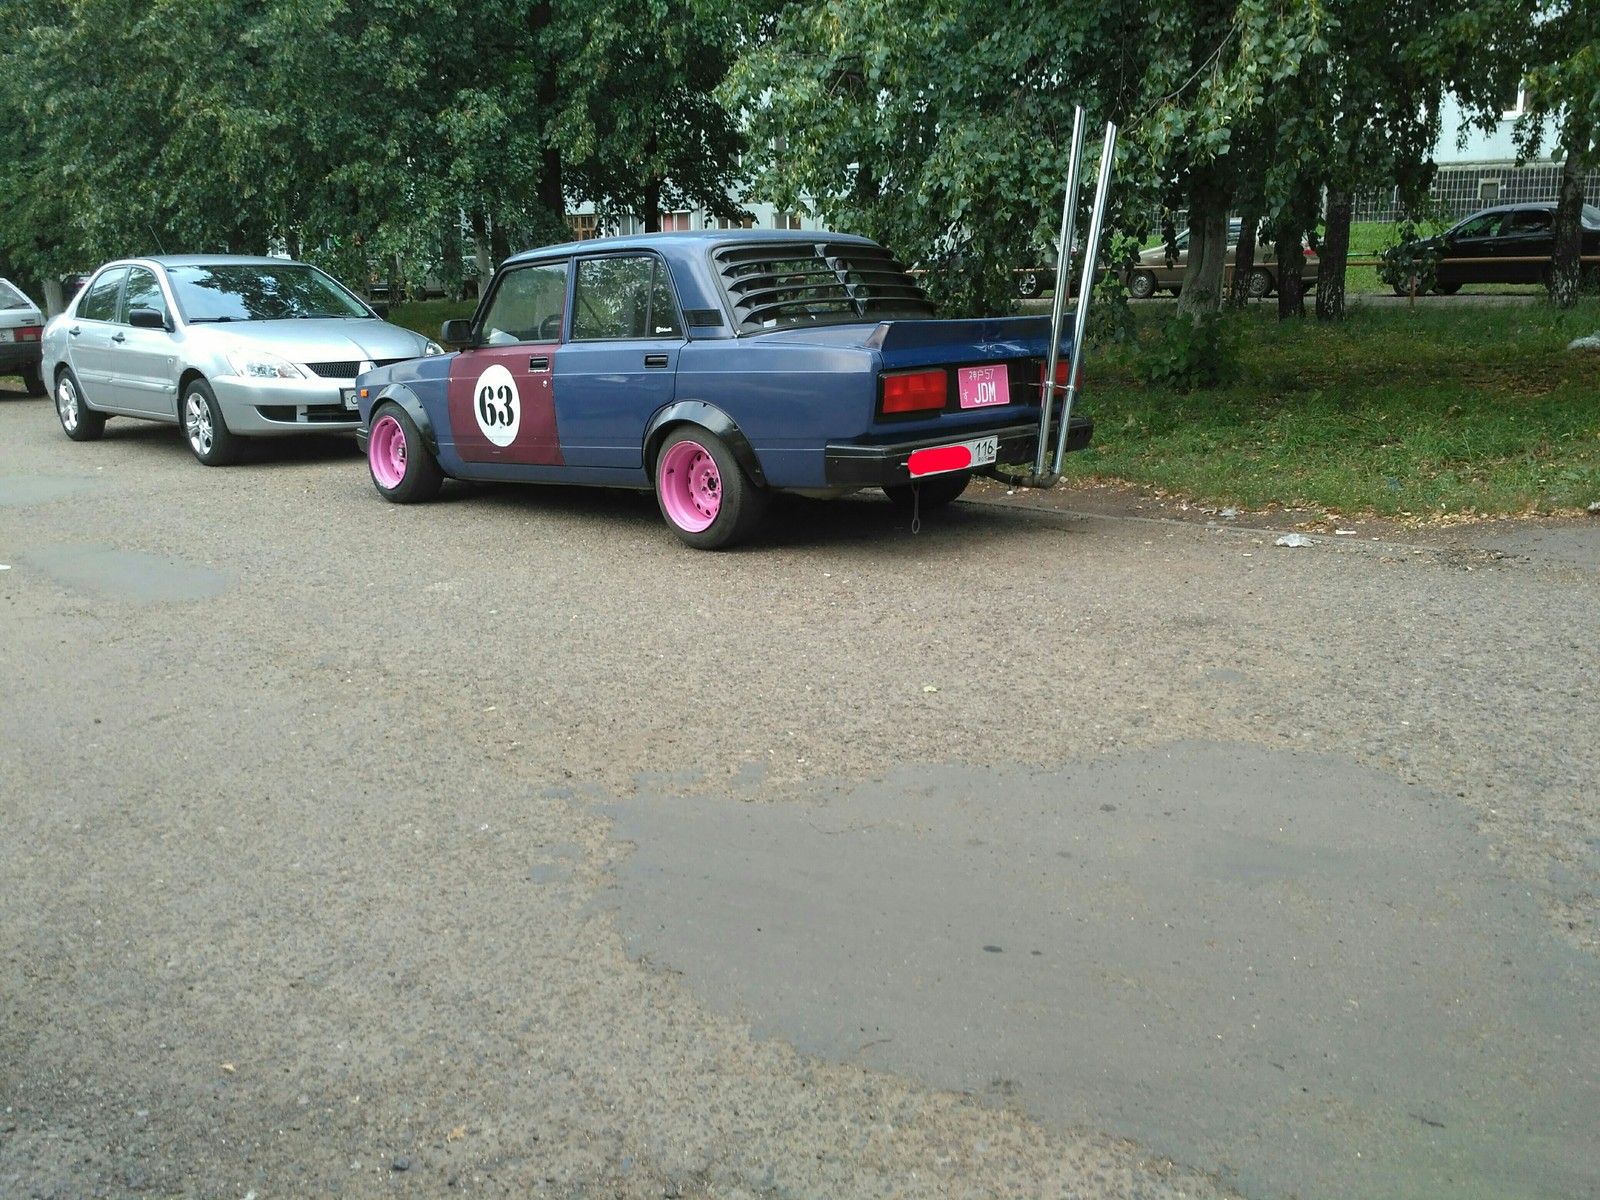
column 1193, row 354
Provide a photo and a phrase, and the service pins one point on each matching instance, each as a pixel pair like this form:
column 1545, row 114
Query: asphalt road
column 503, row 846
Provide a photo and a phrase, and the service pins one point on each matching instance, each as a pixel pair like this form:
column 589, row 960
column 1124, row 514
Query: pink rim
column 690, row 486
column 386, row 452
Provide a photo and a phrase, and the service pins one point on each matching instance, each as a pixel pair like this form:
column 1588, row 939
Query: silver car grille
column 347, row 370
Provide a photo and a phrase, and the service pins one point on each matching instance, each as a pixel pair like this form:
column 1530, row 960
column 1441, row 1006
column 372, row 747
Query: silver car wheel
column 67, row 404
column 1142, row 286
column 197, row 424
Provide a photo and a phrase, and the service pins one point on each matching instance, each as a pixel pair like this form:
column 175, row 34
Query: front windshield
column 260, row 292
column 11, row 298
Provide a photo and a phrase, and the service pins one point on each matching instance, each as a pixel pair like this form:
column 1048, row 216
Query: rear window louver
column 780, row 285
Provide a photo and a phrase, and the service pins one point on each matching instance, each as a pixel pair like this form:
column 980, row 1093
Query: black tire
column 936, row 490
column 403, row 469
column 1141, row 285
column 203, row 427
column 1447, row 289
column 704, row 494
column 1029, row 285
column 33, row 380
column 1261, row 283
column 78, row 421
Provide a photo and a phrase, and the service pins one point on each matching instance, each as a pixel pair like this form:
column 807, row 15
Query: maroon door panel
column 502, row 408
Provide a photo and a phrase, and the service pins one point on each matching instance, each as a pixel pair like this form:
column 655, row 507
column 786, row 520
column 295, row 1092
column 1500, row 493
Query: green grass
column 1410, row 413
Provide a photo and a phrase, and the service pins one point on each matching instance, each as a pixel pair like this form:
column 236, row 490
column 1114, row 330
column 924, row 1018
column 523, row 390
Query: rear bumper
column 855, row 465
column 20, row 354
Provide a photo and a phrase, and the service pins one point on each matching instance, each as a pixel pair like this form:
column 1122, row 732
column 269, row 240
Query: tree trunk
column 652, row 206
column 1566, row 266
column 480, row 246
column 55, row 297
column 1244, row 261
column 1291, row 295
column 499, row 242
column 291, row 242
column 1334, row 256
column 1208, row 247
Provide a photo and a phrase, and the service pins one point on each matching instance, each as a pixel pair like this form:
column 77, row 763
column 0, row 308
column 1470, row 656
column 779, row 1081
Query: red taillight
column 28, row 333
column 914, row 391
column 1063, row 373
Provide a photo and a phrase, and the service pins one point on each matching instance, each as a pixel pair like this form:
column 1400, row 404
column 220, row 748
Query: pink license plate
column 983, row 386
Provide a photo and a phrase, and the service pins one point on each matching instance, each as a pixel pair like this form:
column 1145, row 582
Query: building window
column 672, row 222
column 786, row 220
column 744, row 222
column 584, row 225
column 1515, row 104
column 1488, row 191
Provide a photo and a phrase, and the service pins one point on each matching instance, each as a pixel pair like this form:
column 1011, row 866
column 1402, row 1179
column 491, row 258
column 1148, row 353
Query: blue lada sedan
column 715, row 368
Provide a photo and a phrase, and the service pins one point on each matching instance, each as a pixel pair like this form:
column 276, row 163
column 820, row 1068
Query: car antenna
column 156, row 239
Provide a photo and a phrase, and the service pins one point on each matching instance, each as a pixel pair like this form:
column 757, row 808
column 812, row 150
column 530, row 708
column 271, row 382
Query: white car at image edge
column 21, row 330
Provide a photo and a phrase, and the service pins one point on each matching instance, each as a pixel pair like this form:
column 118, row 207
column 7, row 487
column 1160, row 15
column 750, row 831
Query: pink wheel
column 403, row 468
column 704, row 493
column 690, row 486
column 386, row 452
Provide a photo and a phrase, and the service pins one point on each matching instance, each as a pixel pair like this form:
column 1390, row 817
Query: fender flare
column 708, row 416
column 402, row 396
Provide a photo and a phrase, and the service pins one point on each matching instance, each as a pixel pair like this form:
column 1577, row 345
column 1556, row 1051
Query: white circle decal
column 497, row 405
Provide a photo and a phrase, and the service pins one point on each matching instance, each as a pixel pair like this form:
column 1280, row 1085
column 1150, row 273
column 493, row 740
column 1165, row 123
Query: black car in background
column 1511, row 243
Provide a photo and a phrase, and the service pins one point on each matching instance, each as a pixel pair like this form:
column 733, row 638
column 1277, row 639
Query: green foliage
column 1399, row 411
column 1193, row 354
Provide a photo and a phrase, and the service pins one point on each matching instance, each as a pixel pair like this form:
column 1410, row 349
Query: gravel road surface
column 1072, row 846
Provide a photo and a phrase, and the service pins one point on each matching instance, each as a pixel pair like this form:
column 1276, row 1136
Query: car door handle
column 657, row 360
column 119, row 337
column 75, row 331
column 541, row 363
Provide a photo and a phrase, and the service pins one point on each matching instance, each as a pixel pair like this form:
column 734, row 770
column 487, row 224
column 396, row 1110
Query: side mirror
column 457, row 332
column 381, row 309
column 146, row 318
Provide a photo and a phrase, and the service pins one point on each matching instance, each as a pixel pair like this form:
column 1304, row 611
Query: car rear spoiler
column 1006, row 335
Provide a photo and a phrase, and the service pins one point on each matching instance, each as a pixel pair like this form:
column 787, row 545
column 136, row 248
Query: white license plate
column 962, row 456
column 348, row 395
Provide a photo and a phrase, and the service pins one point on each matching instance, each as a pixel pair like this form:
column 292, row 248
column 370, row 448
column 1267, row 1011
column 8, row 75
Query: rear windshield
column 1591, row 217
column 260, row 292
column 11, row 298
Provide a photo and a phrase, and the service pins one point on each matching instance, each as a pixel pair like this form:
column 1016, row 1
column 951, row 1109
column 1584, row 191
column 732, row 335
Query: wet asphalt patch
column 1294, row 971
column 131, row 576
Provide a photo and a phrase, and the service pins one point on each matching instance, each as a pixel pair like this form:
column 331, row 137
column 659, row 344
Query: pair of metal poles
column 1091, row 256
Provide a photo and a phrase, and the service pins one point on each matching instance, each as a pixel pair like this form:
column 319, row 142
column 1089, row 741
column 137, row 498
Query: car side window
column 1531, row 220
column 143, row 291
column 527, row 306
column 99, row 303
column 624, row 296
column 1487, row 225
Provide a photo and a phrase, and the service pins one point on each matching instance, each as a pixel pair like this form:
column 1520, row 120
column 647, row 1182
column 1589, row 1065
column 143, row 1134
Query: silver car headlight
column 250, row 363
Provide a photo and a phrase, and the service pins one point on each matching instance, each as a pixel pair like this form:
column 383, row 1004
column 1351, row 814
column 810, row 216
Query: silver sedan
column 228, row 347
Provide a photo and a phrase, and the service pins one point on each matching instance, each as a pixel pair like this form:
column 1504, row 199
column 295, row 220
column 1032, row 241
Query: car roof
column 691, row 241
column 201, row 260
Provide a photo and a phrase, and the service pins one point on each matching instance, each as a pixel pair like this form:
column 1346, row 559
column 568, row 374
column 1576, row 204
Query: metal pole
column 1091, row 258
column 1069, row 215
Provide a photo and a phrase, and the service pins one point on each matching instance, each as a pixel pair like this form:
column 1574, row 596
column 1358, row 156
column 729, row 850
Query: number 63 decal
column 497, row 405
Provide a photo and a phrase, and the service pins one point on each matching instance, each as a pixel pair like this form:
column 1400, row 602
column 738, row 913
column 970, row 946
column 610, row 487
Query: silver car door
column 88, row 350
column 145, row 376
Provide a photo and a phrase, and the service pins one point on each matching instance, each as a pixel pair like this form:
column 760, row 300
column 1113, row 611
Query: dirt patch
column 1099, row 499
